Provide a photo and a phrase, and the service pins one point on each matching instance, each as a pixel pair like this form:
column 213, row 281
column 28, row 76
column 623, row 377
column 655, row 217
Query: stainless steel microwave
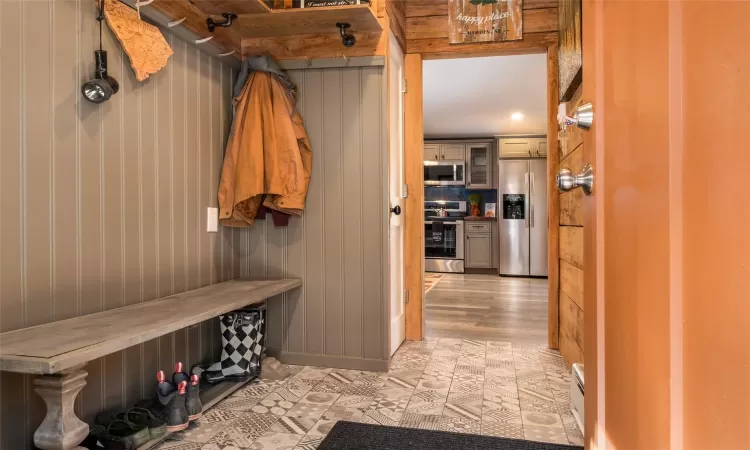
column 444, row 173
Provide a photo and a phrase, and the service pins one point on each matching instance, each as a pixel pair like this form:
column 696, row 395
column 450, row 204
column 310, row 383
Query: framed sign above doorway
column 484, row 21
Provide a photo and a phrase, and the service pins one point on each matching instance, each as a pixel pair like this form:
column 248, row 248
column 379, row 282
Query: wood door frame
column 414, row 212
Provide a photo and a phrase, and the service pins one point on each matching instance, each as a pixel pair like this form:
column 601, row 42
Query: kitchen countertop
column 480, row 218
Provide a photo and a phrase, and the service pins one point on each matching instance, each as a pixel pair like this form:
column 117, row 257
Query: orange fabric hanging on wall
column 268, row 157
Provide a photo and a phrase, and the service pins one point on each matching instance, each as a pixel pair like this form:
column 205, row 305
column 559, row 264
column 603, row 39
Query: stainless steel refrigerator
column 522, row 217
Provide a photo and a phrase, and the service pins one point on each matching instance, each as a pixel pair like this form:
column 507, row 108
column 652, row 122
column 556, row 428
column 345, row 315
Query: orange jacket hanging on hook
column 268, row 157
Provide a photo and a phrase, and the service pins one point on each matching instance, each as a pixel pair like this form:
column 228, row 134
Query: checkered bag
column 243, row 340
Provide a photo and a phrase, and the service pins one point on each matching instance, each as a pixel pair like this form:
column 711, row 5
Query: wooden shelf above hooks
column 304, row 21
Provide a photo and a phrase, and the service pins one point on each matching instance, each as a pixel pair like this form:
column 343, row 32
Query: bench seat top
column 65, row 344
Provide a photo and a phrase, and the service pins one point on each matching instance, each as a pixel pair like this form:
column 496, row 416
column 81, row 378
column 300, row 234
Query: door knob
column 396, row 210
column 583, row 117
column 566, row 181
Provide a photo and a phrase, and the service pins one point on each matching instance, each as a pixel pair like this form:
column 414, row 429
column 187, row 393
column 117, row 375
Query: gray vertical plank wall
column 104, row 205
column 339, row 246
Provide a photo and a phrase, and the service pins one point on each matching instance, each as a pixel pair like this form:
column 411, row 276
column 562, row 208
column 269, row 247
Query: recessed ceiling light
column 516, row 116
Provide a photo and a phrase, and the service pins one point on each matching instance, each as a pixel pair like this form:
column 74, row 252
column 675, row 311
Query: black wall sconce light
column 103, row 86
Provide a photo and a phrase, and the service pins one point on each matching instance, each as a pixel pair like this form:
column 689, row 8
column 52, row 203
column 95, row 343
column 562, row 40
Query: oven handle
column 460, row 239
column 428, row 222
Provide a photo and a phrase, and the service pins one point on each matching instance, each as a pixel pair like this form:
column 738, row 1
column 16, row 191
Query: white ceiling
column 475, row 97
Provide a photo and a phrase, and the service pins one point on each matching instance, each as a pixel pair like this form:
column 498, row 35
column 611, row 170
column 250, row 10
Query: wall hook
column 201, row 41
column 347, row 39
column 346, row 59
column 138, row 5
column 174, row 23
column 227, row 53
column 226, row 23
column 308, row 62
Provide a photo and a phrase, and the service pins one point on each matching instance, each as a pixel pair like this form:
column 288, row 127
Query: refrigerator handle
column 526, row 202
column 531, row 200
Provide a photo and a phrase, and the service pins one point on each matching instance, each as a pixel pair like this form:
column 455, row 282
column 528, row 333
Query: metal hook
column 201, row 41
column 308, row 62
column 174, row 23
column 138, row 6
column 346, row 60
column 227, row 53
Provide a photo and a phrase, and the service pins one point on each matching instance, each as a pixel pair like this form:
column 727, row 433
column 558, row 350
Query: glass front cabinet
column 479, row 166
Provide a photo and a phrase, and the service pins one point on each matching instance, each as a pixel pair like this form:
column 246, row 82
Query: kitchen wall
column 339, row 318
column 104, row 206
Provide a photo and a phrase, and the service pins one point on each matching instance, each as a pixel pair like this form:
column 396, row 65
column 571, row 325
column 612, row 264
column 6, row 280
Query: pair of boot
column 177, row 401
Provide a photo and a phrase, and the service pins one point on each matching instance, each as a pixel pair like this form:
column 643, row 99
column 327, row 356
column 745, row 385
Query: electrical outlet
column 212, row 220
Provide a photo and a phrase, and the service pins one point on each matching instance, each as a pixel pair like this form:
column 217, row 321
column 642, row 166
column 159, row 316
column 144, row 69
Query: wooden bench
column 58, row 351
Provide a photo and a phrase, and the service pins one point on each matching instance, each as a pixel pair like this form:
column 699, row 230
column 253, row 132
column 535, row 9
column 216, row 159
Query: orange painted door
column 667, row 241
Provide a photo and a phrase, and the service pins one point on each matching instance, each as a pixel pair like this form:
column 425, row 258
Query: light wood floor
column 488, row 308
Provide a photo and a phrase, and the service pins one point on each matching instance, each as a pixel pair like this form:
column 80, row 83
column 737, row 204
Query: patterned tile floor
column 489, row 388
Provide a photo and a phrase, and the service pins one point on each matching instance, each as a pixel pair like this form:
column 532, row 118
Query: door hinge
column 405, row 191
column 406, row 296
column 406, row 85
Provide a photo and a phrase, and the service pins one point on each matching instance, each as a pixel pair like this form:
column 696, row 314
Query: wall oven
column 444, row 173
column 444, row 252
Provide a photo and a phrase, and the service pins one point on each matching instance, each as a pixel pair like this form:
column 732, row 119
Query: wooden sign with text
column 484, row 20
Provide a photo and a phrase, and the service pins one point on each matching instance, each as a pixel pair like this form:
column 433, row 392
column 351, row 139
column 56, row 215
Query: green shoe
column 137, row 435
column 142, row 417
column 98, row 438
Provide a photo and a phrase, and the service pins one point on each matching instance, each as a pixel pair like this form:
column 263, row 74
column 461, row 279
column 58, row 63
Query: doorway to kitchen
column 485, row 198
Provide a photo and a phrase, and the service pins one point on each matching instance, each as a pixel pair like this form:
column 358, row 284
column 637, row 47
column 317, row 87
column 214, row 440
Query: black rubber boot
column 174, row 412
column 193, row 401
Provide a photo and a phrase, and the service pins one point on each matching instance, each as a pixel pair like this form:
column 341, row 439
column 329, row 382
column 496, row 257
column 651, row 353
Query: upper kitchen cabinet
column 512, row 147
column 515, row 147
column 541, row 147
column 479, row 158
column 444, row 152
column 431, row 152
column 453, row 152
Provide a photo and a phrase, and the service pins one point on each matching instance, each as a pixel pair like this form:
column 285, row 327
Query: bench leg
column 61, row 429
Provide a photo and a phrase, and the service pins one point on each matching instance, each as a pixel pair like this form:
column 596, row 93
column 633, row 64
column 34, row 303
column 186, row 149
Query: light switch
column 212, row 220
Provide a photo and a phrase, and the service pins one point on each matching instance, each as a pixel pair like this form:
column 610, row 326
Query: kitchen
column 485, row 202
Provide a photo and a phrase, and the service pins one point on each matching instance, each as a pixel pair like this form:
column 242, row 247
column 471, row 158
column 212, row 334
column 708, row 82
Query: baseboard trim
column 480, row 271
column 333, row 361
